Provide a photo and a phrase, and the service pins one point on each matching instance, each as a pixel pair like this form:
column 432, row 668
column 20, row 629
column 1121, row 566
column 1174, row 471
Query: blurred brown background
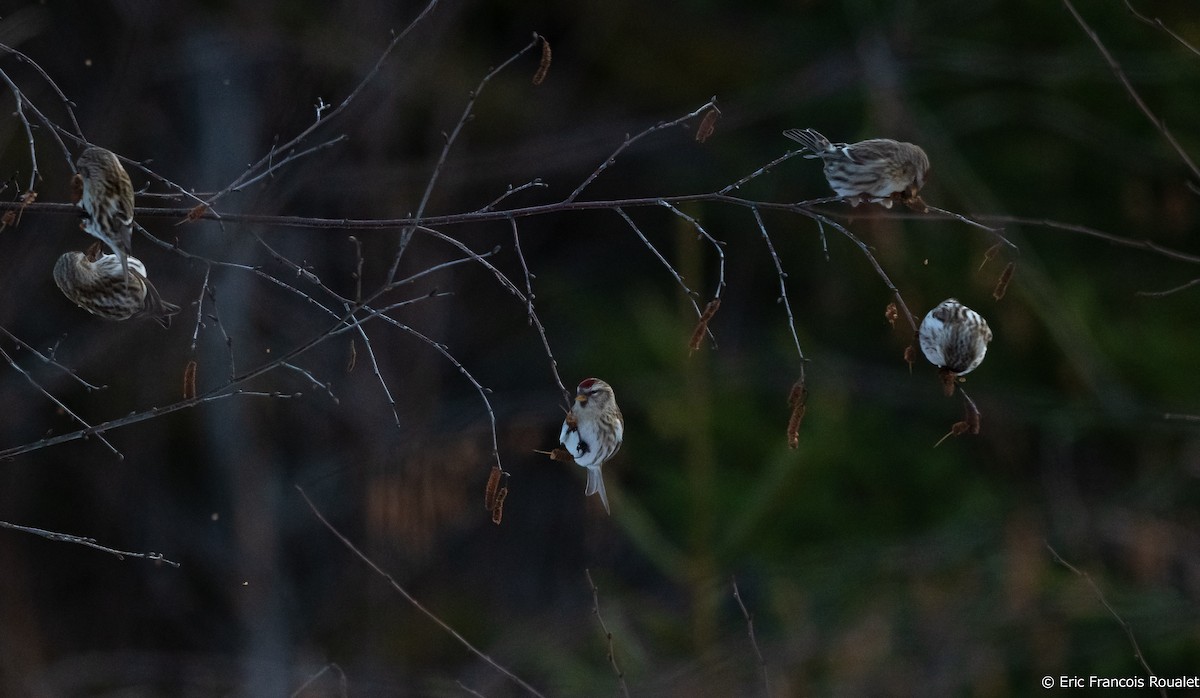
column 873, row 562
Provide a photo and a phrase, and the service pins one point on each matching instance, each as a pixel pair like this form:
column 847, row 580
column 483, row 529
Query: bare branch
column 1137, row 98
column 58, row 403
column 412, row 600
column 762, row 663
column 50, row 360
column 783, row 297
column 1142, row 244
column 1156, row 22
column 343, row 686
column 630, row 140
column 691, row 295
column 533, row 318
column 717, row 245
column 1137, row 651
column 608, row 636
column 764, row 170
column 299, row 138
column 874, row 263
column 406, row 234
column 88, row 542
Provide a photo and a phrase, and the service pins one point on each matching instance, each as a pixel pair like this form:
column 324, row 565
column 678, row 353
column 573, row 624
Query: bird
column 878, row 170
column 106, row 200
column 954, row 338
column 592, row 432
column 97, row 283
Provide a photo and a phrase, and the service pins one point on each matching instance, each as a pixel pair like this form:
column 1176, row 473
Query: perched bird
column 97, row 283
column 954, row 338
column 592, row 432
column 107, row 201
column 878, row 170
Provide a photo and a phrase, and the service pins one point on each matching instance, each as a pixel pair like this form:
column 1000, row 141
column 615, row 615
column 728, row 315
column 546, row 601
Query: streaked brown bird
column 107, row 201
column 879, row 170
column 954, row 338
column 98, row 284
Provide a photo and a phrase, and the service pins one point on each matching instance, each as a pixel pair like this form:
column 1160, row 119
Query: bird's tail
column 156, row 307
column 595, row 484
column 810, row 139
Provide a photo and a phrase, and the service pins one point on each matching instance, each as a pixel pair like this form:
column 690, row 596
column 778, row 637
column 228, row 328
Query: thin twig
column 718, row 245
column 764, row 170
column 608, row 636
column 343, row 685
column 215, row 316
column 59, row 403
column 691, row 295
column 630, row 140
column 19, row 97
column 88, row 542
column 62, row 97
column 362, row 84
column 327, row 387
column 783, row 297
column 912, row 322
column 411, row 599
column 50, row 360
column 1137, row 98
column 1156, row 22
column 1175, row 416
column 511, row 190
column 295, row 155
column 960, row 217
column 533, row 317
column 762, row 663
column 1142, row 244
column 406, row 234
column 378, row 373
column 1137, row 651
column 1169, row 291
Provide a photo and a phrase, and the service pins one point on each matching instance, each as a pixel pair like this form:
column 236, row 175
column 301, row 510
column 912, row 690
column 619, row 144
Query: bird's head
column 593, row 389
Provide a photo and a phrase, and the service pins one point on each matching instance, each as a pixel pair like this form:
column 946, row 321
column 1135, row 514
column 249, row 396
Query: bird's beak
column 581, row 399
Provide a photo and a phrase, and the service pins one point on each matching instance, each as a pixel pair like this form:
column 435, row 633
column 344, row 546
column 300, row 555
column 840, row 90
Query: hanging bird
column 98, row 284
column 954, row 338
column 107, row 201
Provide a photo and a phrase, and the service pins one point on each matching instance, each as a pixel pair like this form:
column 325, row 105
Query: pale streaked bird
column 592, row 432
column 107, row 201
column 97, row 283
column 954, row 338
column 878, row 170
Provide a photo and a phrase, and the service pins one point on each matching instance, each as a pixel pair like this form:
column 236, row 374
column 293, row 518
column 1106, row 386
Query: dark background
column 873, row 562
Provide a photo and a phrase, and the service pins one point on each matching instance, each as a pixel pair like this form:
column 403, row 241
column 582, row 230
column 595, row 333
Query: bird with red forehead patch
column 592, row 432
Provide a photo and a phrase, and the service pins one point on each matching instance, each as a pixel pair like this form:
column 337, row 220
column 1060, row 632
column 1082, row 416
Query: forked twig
column 59, row 403
column 407, row 233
